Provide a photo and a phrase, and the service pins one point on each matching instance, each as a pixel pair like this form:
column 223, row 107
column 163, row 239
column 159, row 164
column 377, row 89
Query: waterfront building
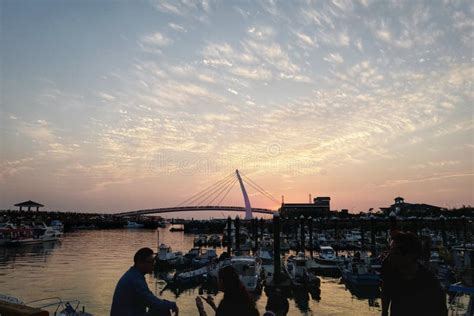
column 319, row 208
column 400, row 207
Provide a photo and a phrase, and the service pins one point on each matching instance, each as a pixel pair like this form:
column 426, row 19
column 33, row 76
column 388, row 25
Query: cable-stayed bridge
column 210, row 199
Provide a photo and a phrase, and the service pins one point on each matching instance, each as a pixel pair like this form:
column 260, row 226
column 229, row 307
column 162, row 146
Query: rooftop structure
column 319, row 208
column 29, row 204
column 400, row 207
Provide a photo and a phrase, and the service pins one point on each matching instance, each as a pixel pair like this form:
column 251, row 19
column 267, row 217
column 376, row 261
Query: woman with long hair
column 236, row 301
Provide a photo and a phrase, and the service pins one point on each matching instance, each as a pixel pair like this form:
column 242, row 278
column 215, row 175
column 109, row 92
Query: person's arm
column 200, row 307
column 143, row 292
column 210, row 300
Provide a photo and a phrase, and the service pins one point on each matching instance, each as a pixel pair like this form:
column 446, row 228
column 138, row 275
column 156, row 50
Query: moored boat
column 206, row 257
column 326, row 263
column 131, row 224
column 249, row 271
column 300, row 275
column 358, row 272
column 166, row 258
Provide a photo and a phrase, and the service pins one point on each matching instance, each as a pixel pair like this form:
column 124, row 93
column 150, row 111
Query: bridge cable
column 262, row 189
column 200, row 193
column 225, row 195
column 223, row 190
column 214, row 191
column 201, row 199
column 259, row 191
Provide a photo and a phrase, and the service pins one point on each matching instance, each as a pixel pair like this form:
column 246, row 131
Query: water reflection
column 31, row 252
column 364, row 292
column 86, row 265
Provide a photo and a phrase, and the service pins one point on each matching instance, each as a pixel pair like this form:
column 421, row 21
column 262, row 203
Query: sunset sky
column 121, row 105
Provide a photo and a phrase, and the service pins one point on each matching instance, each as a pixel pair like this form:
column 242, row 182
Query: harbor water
column 86, row 265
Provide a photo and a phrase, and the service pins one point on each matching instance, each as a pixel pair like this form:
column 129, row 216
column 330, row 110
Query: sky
column 115, row 106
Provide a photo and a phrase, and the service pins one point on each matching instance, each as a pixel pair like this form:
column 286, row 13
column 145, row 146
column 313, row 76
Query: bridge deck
column 193, row 209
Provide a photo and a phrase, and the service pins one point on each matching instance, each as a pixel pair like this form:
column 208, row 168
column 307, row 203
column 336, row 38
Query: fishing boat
column 57, row 225
column 195, row 276
column 176, row 228
column 214, row 240
column 206, row 257
column 326, row 263
column 193, row 253
column 200, row 241
column 131, row 224
column 25, row 235
column 358, row 272
column 9, row 231
column 249, row 271
column 267, row 263
column 298, row 270
column 166, row 258
column 46, row 233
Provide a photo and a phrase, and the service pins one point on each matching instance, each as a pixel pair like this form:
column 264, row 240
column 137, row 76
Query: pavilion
column 29, row 204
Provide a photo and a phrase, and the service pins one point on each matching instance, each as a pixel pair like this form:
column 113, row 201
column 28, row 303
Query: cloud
column 261, row 32
column 344, row 39
column 232, row 91
column 436, row 177
column 258, row 73
column 177, row 27
column 199, row 10
column 106, row 96
column 334, row 58
column 157, row 39
column 273, row 54
column 306, row 39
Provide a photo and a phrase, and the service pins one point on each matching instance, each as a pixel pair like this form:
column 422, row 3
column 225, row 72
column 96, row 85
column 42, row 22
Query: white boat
column 299, row 272
column 326, row 263
column 46, row 233
column 30, row 236
column 131, row 224
column 249, row 271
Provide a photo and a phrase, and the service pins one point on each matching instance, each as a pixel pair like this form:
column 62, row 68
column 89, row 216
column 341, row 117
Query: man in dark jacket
column 408, row 287
column 132, row 296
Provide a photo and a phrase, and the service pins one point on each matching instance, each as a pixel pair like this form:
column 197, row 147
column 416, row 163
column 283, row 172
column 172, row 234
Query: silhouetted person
column 408, row 288
column 278, row 304
column 132, row 296
column 236, row 301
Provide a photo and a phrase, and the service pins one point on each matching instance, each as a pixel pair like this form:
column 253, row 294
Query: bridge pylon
column 248, row 208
